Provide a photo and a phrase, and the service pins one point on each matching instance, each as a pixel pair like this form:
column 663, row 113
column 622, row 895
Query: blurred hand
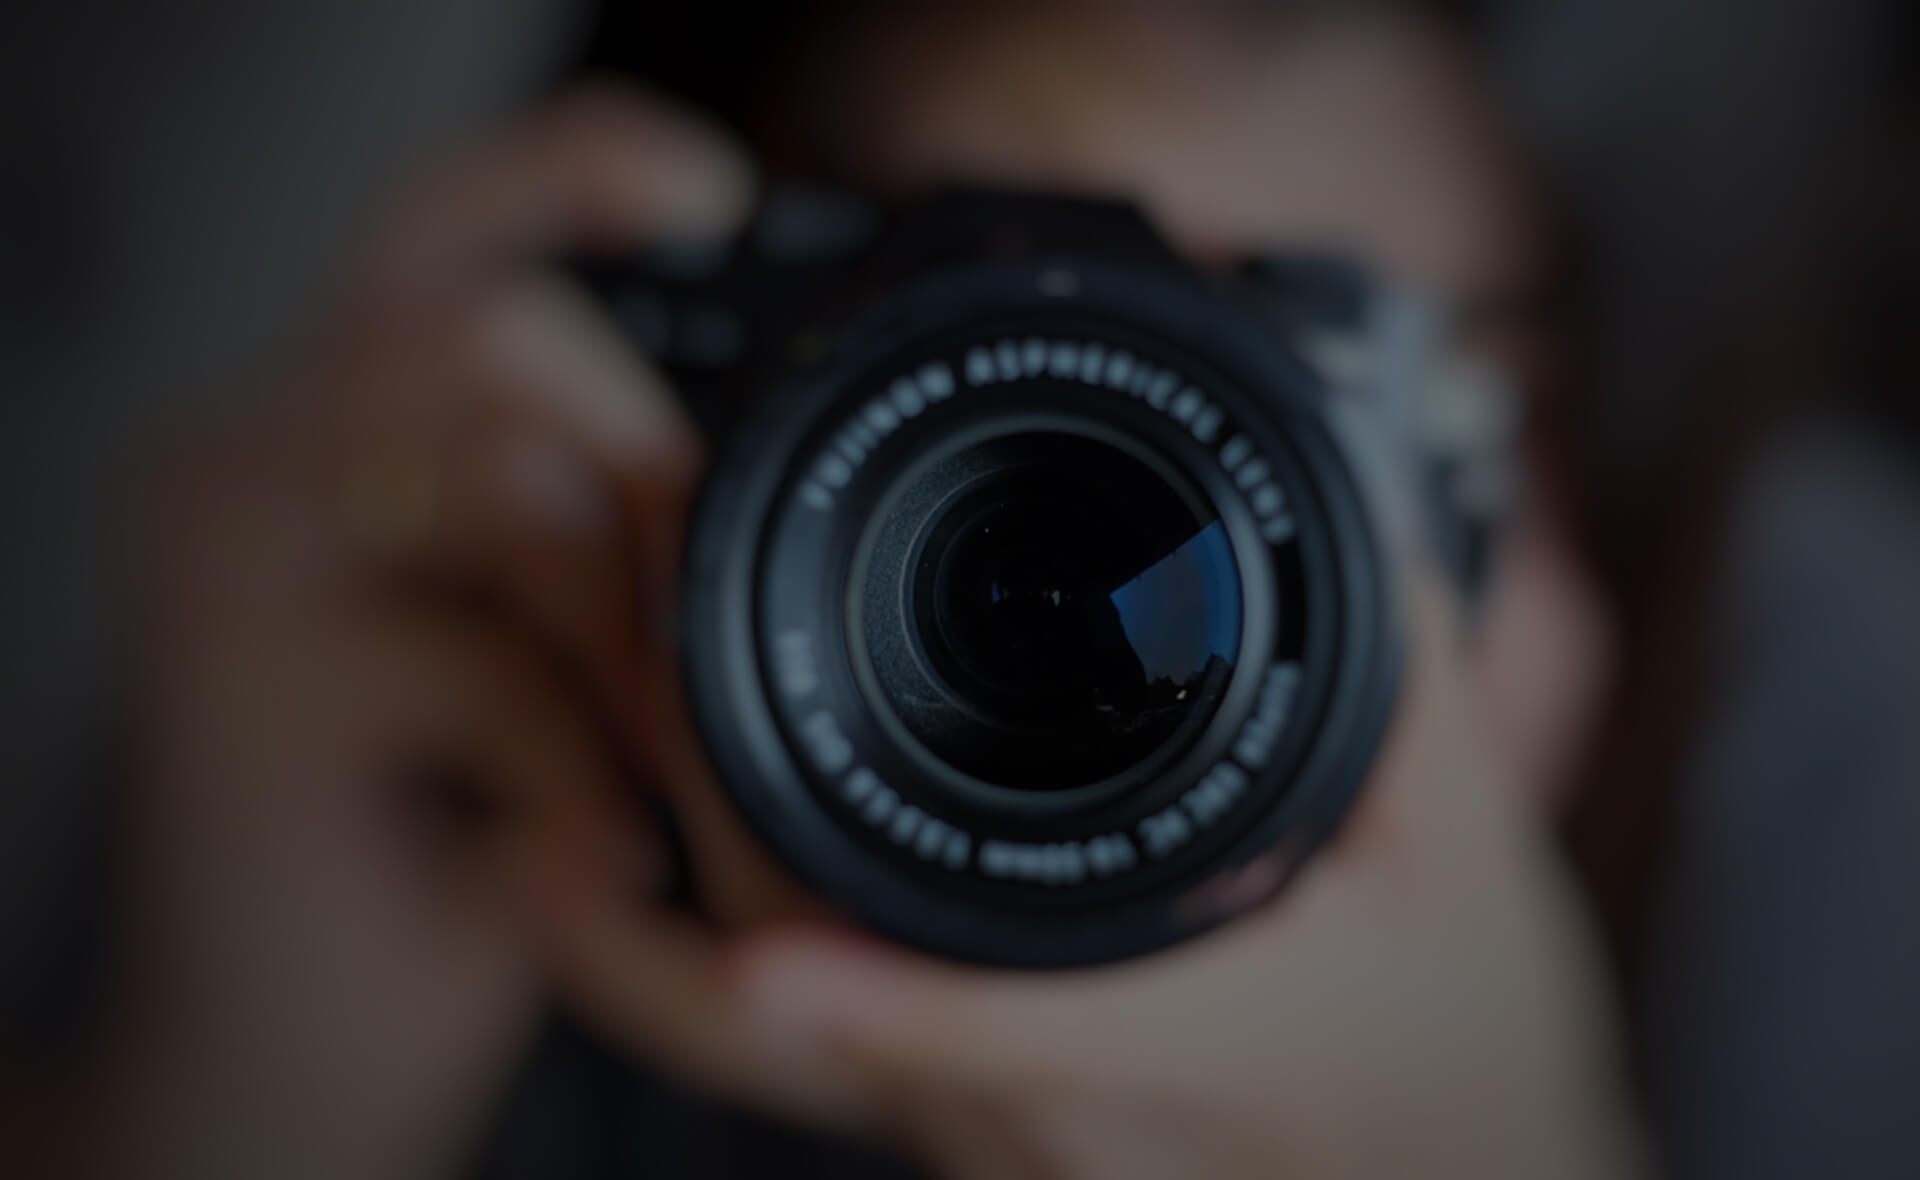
column 397, row 661
column 1424, row 1000
column 403, row 661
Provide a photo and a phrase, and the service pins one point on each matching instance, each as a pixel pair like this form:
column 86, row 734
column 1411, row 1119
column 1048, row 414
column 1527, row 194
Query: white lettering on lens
column 1270, row 505
column 880, row 806
column 906, row 397
column 979, row 367
column 930, row 839
column 904, row 825
column 1091, row 358
column 1066, row 863
column 936, row 381
column 833, row 471
column 1262, row 730
column 793, row 664
column 1202, row 806
column 1006, row 360
column 1277, row 530
column 826, row 745
column 882, row 417
column 1215, row 794
column 864, row 431
column 860, row 784
column 1252, row 474
column 1110, row 854
column 1165, row 831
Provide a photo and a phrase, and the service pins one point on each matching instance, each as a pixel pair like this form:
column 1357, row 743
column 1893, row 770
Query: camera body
column 1041, row 606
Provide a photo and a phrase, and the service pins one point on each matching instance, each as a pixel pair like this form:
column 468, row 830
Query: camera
column 1041, row 606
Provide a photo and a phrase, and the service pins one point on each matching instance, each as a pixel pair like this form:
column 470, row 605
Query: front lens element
column 1075, row 610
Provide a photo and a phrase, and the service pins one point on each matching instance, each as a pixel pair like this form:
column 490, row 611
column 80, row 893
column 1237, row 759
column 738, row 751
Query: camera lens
column 1074, row 610
column 1036, row 622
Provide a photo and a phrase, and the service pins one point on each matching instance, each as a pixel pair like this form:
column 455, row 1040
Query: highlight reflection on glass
column 1196, row 580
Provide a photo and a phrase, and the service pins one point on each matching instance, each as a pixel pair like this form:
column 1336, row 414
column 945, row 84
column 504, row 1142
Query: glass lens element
column 1080, row 612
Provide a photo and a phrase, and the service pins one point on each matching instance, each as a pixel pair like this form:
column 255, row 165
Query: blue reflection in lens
column 1158, row 607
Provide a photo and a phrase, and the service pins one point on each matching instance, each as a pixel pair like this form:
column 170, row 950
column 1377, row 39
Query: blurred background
column 1732, row 186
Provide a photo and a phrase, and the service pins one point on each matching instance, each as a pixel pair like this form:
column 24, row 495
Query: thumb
column 897, row 1015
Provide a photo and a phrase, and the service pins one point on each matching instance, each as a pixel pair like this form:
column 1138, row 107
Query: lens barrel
column 1042, row 622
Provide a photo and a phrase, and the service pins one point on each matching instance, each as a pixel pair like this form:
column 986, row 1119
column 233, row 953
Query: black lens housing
column 813, row 601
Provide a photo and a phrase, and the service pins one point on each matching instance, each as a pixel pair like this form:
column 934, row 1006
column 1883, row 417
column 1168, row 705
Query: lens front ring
column 773, row 766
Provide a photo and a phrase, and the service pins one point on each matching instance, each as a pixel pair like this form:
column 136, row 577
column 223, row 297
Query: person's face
column 1239, row 130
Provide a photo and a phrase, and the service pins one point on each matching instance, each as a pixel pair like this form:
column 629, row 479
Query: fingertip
column 550, row 349
column 602, row 167
column 662, row 436
column 674, row 173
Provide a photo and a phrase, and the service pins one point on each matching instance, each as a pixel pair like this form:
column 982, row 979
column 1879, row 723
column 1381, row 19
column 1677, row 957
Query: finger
column 575, row 375
column 1221, row 1010
column 657, row 983
column 540, row 365
column 964, row 1132
column 523, row 529
column 661, row 984
column 601, row 166
column 474, row 719
column 536, row 350
column 541, row 351
column 546, row 468
column 907, row 1020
